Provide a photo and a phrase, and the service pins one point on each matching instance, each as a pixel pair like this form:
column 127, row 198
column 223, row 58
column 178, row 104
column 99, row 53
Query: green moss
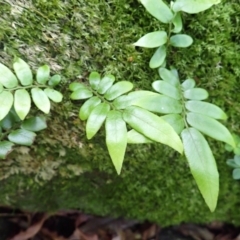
column 64, row 170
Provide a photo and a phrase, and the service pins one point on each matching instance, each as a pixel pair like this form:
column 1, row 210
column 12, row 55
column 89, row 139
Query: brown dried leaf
column 31, row 231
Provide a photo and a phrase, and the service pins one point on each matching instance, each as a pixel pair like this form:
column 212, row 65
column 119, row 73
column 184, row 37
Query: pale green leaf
column 118, row 89
column 228, row 148
column 76, row 85
column 176, row 121
column 34, row 124
column 236, row 151
column 41, row 100
column 181, row 40
column 94, row 79
column 22, row 103
column 23, row 72
column 202, row 165
column 158, row 57
column 236, row 174
column 231, row 163
column 152, row 126
column 22, row 137
column 166, row 89
column 210, row 127
column 81, row 93
column 196, row 94
column 87, row 107
column 237, row 160
column 54, row 80
column 152, row 40
column 7, row 78
column 205, row 108
column 116, row 138
column 43, row 74
column 188, row 84
column 169, row 77
column 175, row 73
column 5, row 148
column 54, row 95
column 177, row 22
column 134, row 137
column 106, row 82
column 193, row 6
column 159, row 104
column 96, row 119
column 158, row 9
column 6, row 102
column 1, row 88
column 127, row 100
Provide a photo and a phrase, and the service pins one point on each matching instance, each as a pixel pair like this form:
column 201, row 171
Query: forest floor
column 75, row 225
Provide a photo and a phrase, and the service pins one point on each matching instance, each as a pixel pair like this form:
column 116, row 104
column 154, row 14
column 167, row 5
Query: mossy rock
column 62, row 169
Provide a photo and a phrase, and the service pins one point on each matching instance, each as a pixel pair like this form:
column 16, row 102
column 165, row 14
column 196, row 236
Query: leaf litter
column 17, row 224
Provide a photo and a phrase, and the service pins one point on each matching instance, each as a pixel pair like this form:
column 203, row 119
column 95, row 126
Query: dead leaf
column 31, row 231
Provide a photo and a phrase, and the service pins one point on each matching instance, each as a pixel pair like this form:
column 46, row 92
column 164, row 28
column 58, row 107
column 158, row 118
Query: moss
column 64, row 170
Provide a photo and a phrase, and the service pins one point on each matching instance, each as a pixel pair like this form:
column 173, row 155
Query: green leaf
column 22, row 103
column 188, row 84
column 75, row 86
column 158, row 57
column 134, row 137
column 54, row 80
column 14, row 114
column 7, row 78
column 23, row 72
column 236, row 151
column 105, row 83
column 236, row 174
column 152, row 40
column 210, row 127
column 41, row 100
column 202, row 165
column 237, row 160
column 81, row 93
column 175, row 73
column 231, row 163
column 96, row 119
column 43, row 74
column 158, row 9
column 159, row 104
column 54, row 95
column 228, row 148
column 166, row 89
column 8, row 121
column 181, row 40
column 118, row 89
column 169, row 77
column 6, row 102
column 193, row 6
column 176, row 121
column 127, row 100
column 5, row 148
column 87, row 107
column 116, row 138
column 94, row 79
column 1, row 88
column 205, row 108
column 152, row 126
column 177, row 22
column 22, row 137
column 196, row 94
column 34, row 124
